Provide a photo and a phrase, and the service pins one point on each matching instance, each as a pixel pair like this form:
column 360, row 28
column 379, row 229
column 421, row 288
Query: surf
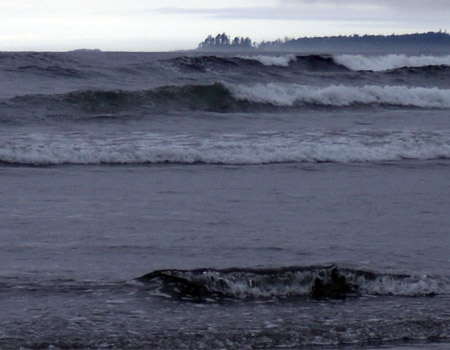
column 289, row 282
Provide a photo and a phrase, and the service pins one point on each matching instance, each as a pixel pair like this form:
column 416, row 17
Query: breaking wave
column 236, row 149
column 225, row 97
column 289, row 282
column 341, row 95
column 257, row 63
column 392, row 61
column 68, row 66
column 309, row 62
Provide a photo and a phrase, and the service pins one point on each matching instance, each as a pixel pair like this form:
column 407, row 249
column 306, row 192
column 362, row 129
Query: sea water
column 188, row 201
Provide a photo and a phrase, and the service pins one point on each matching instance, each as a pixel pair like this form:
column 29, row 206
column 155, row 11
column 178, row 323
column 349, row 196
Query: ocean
column 224, row 201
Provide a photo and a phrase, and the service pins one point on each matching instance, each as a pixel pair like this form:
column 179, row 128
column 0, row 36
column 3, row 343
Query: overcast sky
column 160, row 25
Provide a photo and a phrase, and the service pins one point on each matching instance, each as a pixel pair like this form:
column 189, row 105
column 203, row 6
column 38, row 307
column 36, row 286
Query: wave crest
column 257, row 63
column 307, row 63
column 392, row 61
column 288, row 282
column 227, row 97
column 281, row 61
column 288, row 95
column 224, row 97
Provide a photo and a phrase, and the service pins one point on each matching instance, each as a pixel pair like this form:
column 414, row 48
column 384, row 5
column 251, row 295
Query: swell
column 50, row 65
column 50, row 71
column 289, row 282
column 432, row 74
column 428, row 69
column 66, row 65
column 213, row 97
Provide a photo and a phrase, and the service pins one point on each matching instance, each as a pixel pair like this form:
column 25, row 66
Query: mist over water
column 178, row 200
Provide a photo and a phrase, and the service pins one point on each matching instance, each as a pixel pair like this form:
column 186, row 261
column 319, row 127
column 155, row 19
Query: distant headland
column 431, row 41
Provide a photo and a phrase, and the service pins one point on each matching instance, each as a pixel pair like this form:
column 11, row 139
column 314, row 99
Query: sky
column 163, row 25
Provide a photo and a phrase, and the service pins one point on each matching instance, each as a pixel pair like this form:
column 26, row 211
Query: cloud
column 432, row 5
column 114, row 24
column 264, row 13
column 337, row 10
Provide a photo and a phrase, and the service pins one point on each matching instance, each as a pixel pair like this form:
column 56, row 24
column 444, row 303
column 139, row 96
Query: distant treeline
column 223, row 41
column 431, row 40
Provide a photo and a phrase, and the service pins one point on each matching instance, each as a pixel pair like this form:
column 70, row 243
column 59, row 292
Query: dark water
column 176, row 201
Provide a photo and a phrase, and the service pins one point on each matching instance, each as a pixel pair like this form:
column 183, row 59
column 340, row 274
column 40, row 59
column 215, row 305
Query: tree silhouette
column 368, row 43
column 223, row 41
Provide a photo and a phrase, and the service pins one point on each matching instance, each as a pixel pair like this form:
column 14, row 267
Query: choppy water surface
column 177, row 201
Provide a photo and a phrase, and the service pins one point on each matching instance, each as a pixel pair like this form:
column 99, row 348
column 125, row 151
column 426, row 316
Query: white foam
column 404, row 286
column 281, row 61
column 392, row 61
column 247, row 285
column 297, row 283
column 138, row 148
column 341, row 95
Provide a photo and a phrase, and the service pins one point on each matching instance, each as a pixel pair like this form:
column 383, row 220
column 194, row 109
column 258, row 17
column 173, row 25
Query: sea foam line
column 341, row 95
column 142, row 148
